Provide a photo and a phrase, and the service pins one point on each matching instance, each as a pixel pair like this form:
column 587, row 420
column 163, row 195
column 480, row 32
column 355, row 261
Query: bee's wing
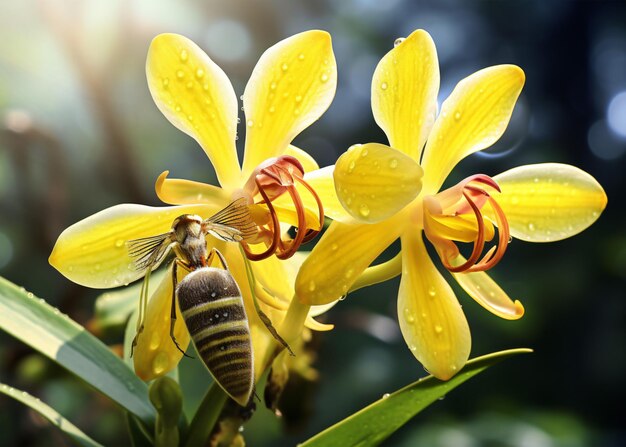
column 149, row 252
column 234, row 223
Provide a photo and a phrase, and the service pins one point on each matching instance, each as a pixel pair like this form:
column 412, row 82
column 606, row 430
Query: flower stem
column 294, row 320
column 206, row 416
column 379, row 273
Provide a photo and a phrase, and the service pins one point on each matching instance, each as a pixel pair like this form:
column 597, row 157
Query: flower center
column 271, row 179
column 456, row 215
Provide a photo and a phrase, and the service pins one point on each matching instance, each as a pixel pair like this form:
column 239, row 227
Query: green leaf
column 51, row 414
column 374, row 423
column 45, row 329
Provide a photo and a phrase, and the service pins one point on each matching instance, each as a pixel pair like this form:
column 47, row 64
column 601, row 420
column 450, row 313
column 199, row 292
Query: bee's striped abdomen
column 211, row 304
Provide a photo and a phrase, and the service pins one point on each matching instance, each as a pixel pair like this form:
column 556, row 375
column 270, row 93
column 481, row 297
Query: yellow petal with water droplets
column 431, row 319
column 308, row 162
column 374, row 181
column 404, row 92
column 323, row 183
column 176, row 191
column 156, row 354
column 291, row 86
column 93, row 252
column 462, row 228
column 473, row 117
column 340, row 257
column 549, row 201
column 488, row 293
column 196, row 96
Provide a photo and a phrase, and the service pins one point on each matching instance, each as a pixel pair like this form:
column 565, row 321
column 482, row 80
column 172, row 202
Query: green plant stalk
column 379, row 273
column 206, row 416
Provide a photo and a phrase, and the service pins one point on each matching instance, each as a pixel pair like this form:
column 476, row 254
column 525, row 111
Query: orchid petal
column 156, row 354
column 196, row 96
column 323, row 184
column 488, row 293
column 350, row 248
column 93, row 252
column 404, row 93
column 291, row 86
column 186, row 192
column 374, row 181
column 306, row 160
column 549, row 201
column 431, row 320
column 473, row 117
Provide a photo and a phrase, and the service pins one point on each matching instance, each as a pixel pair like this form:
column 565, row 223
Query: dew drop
column 408, row 316
column 180, row 74
column 155, row 341
column 364, row 210
column 272, row 109
column 531, row 226
column 334, row 246
column 296, row 111
column 438, row 329
column 301, row 56
column 273, row 86
column 351, row 166
column 284, row 67
column 250, row 123
column 384, row 86
column 324, row 77
column 70, row 268
column 349, row 273
column 119, row 243
column 311, row 286
column 184, row 56
column 205, row 87
column 160, row 363
column 166, row 83
column 386, row 395
column 199, row 73
column 413, row 348
column 298, row 98
column 398, row 41
column 432, row 291
column 178, row 108
column 364, row 153
column 393, row 163
column 457, row 116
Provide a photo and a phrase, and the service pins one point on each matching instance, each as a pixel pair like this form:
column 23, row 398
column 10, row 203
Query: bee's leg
column 143, row 300
column 264, row 318
column 173, row 308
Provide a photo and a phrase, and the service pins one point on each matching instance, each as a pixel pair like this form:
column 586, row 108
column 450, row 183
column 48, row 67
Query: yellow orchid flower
column 393, row 192
column 291, row 86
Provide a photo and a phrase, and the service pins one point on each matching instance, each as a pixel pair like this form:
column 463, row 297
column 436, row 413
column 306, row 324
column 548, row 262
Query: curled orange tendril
column 271, row 179
column 449, row 210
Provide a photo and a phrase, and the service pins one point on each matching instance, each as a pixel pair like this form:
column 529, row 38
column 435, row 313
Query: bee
column 209, row 298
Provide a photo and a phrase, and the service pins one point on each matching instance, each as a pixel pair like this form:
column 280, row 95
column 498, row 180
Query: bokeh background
column 79, row 132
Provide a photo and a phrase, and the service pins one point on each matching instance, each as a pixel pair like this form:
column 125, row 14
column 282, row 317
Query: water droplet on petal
column 166, row 83
column 432, row 291
column 184, row 56
column 273, row 86
column 351, row 166
column 438, row 329
column 531, row 226
column 364, row 210
column 398, row 41
column 199, row 73
column 364, row 153
column 408, row 316
column 311, row 286
column 334, row 246
column 386, row 395
column 180, row 74
column 384, row 86
column 301, row 56
column 250, row 123
column 160, row 363
column 284, row 67
column 457, row 116
column 324, row 77
column 155, row 341
column 119, row 243
column 298, row 98
column 393, row 163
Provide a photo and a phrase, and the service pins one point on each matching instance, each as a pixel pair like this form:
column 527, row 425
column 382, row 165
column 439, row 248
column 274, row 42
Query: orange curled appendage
column 271, row 179
column 462, row 201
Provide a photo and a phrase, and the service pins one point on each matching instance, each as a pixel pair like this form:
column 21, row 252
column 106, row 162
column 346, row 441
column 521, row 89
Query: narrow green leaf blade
column 374, row 423
column 45, row 329
column 51, row 414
